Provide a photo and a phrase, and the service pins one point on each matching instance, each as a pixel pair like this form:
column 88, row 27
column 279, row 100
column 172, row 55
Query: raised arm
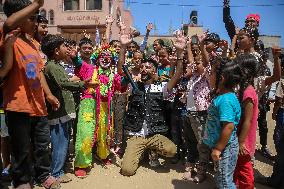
column 204, row 53
column 277, row 67
column 145, row 40
column 180, row 44
column 9, row 54
column 189, row 51
column 234, row 43
column 125, row 40
column 109, row 21
column 15, row 19
column 227, row 19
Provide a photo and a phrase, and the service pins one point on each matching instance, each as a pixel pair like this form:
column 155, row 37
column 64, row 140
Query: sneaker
column 266, row 153
column 80, row 173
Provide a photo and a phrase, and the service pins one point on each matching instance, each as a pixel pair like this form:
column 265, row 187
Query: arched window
column 94, row 4
column 51, row 17
column 1, row 7
column 42, row 12
column 71, row 5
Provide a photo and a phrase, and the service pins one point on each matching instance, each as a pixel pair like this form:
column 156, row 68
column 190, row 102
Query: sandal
column 107, row 161
column 80, row 173
column 64, row 179
column 51, row 183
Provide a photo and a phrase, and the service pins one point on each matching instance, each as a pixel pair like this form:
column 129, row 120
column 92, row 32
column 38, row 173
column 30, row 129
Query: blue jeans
column 59, row 142
column 226, row 166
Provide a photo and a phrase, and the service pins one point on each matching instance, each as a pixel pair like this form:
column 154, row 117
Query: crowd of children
column 197, row 100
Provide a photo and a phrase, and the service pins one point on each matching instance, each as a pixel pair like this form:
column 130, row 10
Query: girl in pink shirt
column 243, row 175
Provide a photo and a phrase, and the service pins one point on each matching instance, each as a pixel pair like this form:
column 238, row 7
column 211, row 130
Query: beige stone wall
column 83, row 19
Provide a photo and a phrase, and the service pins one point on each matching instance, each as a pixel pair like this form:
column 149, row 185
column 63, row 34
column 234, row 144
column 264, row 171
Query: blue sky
column 209, row 14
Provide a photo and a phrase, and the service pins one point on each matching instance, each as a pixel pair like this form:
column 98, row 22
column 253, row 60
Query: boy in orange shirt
column 24, row 94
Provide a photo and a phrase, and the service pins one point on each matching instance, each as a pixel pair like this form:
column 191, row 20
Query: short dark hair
column 41, row 19
column 150, row 60
column 213, row 37
column 49, row 43
column 161, row 42
column 70, row 42
column 251, row 32
column 85, row 41
column 135, row 43
column 12, row 6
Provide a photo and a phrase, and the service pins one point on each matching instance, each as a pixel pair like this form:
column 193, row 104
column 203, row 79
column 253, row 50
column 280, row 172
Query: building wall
column 270, row 41
column 76, row 21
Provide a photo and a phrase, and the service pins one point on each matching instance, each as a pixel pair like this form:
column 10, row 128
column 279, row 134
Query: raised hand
column 276, row 51
column 122, row 27
column 180, row 41
column 149, row 27
column 237, row 30
column 109, row 19
column 125, row 39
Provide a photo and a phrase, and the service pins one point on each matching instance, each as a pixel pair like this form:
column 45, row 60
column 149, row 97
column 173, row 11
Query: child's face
column 163, row 57
column 132, row 47
column 199, row 67
column 251, row 23
column 105, row 60
column 86, row 51
column 147, row 71
column 137, row 58
column 62, row 52
column 117, row 47
column 42, row 29
column 210, row 46
column 244, row 41
column 195, row 49
column 156, row 46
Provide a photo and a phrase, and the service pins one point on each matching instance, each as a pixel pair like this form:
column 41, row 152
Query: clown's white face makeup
column 105, row 60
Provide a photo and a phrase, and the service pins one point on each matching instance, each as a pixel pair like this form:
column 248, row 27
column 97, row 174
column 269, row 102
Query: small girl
column 220, row 132
column 243, row 176
column 164, row 64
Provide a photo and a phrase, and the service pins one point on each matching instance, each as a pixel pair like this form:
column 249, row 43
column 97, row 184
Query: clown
column 95, row 125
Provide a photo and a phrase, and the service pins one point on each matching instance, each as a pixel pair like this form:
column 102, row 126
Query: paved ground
column 168, row 177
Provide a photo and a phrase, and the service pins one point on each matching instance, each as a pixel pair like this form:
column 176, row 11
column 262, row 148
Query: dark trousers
column 173, row 116
column 22, row 130
column 190, row 141
column 276, row 179
column 262, row 125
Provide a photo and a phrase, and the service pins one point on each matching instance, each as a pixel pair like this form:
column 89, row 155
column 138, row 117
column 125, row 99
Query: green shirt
column 62, row 88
